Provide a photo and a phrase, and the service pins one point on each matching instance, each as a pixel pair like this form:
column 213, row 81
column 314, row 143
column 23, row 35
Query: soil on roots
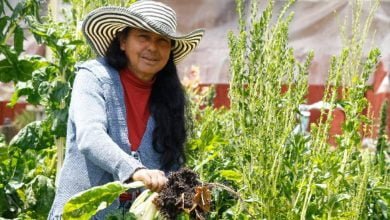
column 184, row 193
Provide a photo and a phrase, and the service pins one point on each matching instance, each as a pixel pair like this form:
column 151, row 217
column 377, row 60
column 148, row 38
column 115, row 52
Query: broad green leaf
column 7, row 72
column 59, row 91
column 21, row 72
column 18, row 39
column 231, row 175
column 59, row 119
column 26, row 68
column 25, row 89
column 34, row 136
column 40, row 194
column 87, row 203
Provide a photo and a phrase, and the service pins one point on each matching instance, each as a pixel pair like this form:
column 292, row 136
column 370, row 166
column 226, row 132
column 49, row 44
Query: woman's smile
column 150, row 60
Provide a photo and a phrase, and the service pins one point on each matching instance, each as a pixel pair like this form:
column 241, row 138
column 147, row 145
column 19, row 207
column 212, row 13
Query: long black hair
column 167, row 106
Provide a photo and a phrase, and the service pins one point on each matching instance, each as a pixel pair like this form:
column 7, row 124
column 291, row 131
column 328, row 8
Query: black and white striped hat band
column 101, row 26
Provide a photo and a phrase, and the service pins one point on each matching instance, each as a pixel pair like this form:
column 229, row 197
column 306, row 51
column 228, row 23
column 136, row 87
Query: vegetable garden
column 257, row 160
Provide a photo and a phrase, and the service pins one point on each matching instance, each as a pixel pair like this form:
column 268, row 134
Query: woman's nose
column 152, row 45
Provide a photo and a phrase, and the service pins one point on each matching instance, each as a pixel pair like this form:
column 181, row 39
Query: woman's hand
column 153, row 179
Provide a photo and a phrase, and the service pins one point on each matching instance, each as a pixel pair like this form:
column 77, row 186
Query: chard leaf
column 7, row 72
column 87, row 203
column 59, row 118
column 40, row 194
column 59, row 91
column 35, row 136
column 25, row 69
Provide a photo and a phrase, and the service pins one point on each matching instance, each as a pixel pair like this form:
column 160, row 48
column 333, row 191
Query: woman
column 126, row 117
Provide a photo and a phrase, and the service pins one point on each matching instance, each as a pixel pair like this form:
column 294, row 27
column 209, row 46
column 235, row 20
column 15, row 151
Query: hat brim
column 101, row 26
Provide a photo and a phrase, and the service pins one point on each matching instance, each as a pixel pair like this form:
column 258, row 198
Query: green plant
column 44, row 82
column 85, row 204
column 13, row 66
column 251, row 146
column 26, row 182
column 383, row 146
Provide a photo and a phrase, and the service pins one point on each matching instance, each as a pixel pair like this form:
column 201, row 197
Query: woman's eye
column 143, row 36
column 164, row 42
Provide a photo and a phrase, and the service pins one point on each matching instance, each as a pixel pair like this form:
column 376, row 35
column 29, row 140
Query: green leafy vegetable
column 87, row 203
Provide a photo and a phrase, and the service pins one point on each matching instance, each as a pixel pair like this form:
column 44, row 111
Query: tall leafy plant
column 26, row 169
column 41, row 81
column 281, row 174
column 263, row 117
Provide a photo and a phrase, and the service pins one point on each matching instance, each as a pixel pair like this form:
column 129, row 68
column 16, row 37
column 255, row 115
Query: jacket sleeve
column 88, row 110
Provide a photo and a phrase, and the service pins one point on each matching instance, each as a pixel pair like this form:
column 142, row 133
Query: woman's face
column 147, row 53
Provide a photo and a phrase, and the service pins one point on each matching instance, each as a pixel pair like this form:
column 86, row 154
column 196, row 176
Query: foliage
column 33, row 136
column 251, row 146
column 26, row 182
column 44, row 82
column 87, row 203
column 13, row 67
column 383, row 145
column 183, row 194
column 27, row 167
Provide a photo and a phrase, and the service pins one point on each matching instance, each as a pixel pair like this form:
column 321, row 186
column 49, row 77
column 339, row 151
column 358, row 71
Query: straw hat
column 101, row 26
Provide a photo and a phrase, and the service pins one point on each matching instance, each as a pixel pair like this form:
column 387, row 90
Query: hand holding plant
column 184, row 195
column 154, row 180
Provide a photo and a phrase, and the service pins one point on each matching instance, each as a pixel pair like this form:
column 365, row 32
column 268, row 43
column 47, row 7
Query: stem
column 228, row 189
column 60, row 144
column 307, row 197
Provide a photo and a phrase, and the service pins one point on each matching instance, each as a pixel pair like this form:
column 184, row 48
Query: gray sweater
column 97, row 144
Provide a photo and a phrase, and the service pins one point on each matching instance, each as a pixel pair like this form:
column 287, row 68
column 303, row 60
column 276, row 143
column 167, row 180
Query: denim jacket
column 97, row 144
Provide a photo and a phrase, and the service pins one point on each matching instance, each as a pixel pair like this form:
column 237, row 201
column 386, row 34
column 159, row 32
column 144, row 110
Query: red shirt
column 137, row 93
